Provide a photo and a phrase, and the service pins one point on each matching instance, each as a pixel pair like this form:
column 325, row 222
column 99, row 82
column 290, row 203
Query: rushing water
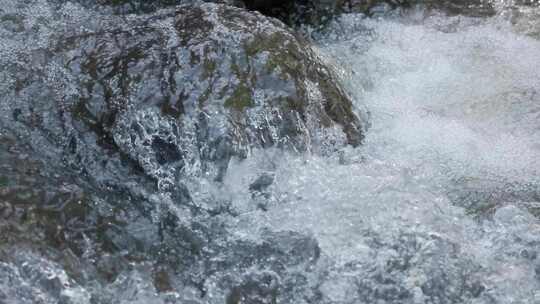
column 455, row 138
column 438, row 204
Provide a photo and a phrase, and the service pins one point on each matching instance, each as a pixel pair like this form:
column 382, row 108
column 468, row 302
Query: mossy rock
column 208, row 82
column 110, row 129
column 240, row 99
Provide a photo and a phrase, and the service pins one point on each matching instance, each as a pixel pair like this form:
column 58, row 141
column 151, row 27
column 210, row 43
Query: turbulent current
column 453, row 155
column 440, row 204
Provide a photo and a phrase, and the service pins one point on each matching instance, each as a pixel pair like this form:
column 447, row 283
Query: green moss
column 282, row 65
column 240, row 99
column 265, row 43
column 241, row 73
column 272, row 64
column 254, row 47
column 209, row 67
column 283, row 53
column 4, row 181
column 236, row 69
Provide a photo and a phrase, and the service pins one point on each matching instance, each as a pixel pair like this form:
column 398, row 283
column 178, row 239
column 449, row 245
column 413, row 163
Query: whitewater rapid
column 452, row 156
column 441, row 203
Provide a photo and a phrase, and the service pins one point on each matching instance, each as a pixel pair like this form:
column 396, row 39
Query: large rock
column 138, row 103
column 180, row 92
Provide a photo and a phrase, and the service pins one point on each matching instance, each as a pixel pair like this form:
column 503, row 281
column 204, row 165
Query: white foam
column 451, row 99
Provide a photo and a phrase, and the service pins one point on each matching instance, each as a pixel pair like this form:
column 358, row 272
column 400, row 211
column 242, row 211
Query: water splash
column 444, row 180
column 434, row 208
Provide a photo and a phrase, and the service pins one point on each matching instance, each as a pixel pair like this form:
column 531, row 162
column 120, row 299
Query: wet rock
column 482, row 198
column 181, row 91
column 407, row 268
column 474, row 8
column 262, row 182
column 162, row 281
column 275, row 270
column 107, row 128
column 259, row 288
column 123, row 7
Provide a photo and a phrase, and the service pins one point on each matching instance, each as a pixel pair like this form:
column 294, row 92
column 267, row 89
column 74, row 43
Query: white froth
column 451, row 100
